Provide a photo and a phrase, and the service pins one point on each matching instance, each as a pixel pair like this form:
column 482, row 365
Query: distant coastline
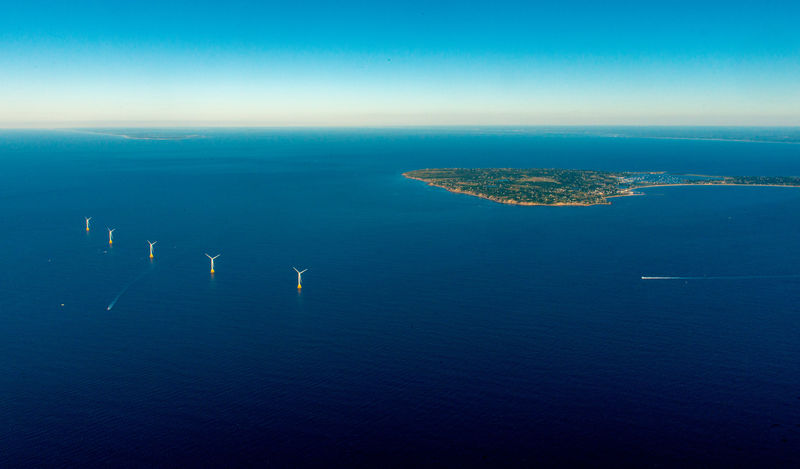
column 144, row 136
column 151, row 137
column 706, row 139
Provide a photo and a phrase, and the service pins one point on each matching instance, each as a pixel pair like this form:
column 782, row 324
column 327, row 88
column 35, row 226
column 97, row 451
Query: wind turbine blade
column 295, row 269
column 303, row 270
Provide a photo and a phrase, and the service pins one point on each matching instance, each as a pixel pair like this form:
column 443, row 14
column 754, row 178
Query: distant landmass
column 157, row 137
column 550, row 186
column 144, row 134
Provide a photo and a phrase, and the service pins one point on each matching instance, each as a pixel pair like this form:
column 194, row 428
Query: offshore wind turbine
column 87, row 222
column 299, row 277
column 110, row 235
column 212, row 261
column 151, row 247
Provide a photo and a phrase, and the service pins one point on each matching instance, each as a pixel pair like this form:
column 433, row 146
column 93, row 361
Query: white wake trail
column 124, row 289
column 724, row 277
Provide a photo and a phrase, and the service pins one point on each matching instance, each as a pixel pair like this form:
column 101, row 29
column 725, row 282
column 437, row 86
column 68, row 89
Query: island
column 551, row 186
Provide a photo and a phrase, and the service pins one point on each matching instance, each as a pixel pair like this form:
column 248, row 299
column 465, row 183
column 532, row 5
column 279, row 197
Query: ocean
column 432, row 329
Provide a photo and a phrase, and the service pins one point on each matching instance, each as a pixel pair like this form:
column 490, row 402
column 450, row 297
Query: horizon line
column 138, row 125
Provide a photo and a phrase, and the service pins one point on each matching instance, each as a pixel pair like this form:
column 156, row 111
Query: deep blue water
column 432, row 329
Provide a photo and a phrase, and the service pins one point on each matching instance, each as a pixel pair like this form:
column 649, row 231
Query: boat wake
column 124, row 289
column 724, row 277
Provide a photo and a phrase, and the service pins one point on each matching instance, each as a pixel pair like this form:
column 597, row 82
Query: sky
column 372, row 63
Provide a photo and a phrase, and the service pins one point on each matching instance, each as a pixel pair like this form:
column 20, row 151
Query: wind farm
column 151, row 256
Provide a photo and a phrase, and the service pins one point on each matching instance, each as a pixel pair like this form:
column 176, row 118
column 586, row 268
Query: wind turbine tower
column 87, row 222
column 299, row 277
column 151, row 247
column 110, row 235
column 212, row 261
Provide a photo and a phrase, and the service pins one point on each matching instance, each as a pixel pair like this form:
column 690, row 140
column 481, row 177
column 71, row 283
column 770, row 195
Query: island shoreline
column 628, row 192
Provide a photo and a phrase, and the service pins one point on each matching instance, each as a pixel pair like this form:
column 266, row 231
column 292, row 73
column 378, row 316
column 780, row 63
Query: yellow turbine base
column 111, row 242
column 212, row 271
column 87, row 228
column 151, row 256
column 299, row 286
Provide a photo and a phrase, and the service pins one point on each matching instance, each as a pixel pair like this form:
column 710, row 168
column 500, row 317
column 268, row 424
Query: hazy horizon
column 357, row 64
column 100, row 126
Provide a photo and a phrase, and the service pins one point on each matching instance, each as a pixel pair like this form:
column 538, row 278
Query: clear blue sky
column 403, row 63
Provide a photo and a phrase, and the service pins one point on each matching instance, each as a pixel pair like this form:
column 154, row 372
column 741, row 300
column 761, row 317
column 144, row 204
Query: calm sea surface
column 432, row 329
